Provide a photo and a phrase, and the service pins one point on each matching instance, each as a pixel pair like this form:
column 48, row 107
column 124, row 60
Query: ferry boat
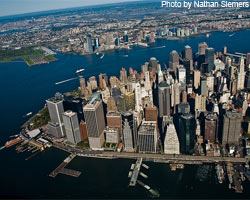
column 12, row 142
column 79, row 71
column 28, row 114
column 102, row 56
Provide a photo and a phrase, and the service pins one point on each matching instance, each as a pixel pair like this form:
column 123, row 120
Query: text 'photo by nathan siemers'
column 204, row 4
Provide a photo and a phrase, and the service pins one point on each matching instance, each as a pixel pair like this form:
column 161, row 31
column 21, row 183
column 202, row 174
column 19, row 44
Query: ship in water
column 102, row 56
column 13, row 142
column 28, row 114
column 219, row 173
column 79, row 71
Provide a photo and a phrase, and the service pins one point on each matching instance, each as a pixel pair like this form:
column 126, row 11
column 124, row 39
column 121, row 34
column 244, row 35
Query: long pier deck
column 61, row 168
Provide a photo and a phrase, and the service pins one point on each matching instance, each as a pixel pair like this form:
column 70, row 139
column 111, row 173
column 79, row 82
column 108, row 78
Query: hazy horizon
column 15, row 7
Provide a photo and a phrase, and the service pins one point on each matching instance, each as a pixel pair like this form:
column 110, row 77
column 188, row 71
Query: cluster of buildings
column 200, row 101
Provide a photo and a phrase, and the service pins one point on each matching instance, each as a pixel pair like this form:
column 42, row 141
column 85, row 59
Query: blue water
column 24, row 89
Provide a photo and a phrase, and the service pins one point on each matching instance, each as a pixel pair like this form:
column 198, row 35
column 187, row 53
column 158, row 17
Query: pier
column 61, row 168
column 135, row 173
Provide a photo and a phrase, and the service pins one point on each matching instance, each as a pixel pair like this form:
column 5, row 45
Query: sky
column 12, row 7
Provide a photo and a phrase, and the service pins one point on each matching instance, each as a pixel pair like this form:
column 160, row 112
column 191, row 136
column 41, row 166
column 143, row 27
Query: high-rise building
column 94, row 116
column 248, row 59
column 202, row 48
column 125, row 37
column 188, row 55
column 72, row 128
column 211, row 127
column 173, row 59
column 151, row 113
column 164, row 99
column 128, row 131
column 247, row 80
column 130, row 100
column 181, row 73
column 138, row 102
column 114, row 120
column 204, row 87
column 231, row 127
column 153, row 63
column 147, row 137
column 209, row 59
column 83, row 130
column 241, row 75
column 112, row 135
column 197, row 77
column 89, row 44
column 82, row 84
column 123, row 75
column 187, row 128
column 183, row 108
column 171, row 141
column 56, row 127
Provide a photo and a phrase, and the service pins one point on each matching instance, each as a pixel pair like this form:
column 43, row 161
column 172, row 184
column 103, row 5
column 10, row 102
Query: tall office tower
column 138, row 94
column 210, row 83
column 247, row 80
column 231, row 127
column 94, row 116
column 125, row 37
column 153, row 63
column 164, row 99
column 147, row 137
column 173, row 59
column 130, row 100
column 181, row 73
column 114, row 82
column 72, row 128
column 151, row 113
column 121, row 104
column 184, row 96
column 112, row 135
column 188, row 55
column 144, row 67
column 211, row 127
column 171, row 141
column 96, row 43
column 152, row 37
column 111, row 106
column 114, row 120
column 209, row 59
column 197, row 77
column 189, row 70
column 248, row 59
column 101, row 82
column 123, row 75
column 200, row 103
column 183, row 108
column 56, row 127
column 204, row 87
column 117, row 42
column 187, row 128
column 224, row 50
column 128, row 132
column 93, row 82
column 202, row 48
column 241, row 75
column 82, row 84
column 83, row 130
column 89, row 43
column 160, row 76
column 147, row 81
column 175, row 99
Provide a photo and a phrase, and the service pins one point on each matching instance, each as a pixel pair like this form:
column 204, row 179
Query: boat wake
column 60, row 82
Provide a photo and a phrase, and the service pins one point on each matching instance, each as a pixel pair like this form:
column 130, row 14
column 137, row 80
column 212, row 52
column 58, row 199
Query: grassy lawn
column 40, row 119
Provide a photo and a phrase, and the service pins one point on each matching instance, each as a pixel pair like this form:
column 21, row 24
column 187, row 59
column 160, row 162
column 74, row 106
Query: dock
column 61, row 168
column 135, row 172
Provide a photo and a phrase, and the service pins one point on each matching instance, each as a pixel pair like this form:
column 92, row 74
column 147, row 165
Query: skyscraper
column 56, row 127
column 164, row 101
column 72, row 129
column 147, row 137
column 197, row 76
column 89, row 43
column 209, row 59
column 211, row 127
column 202, row 48
column 114, row 120
column 151, row 113
column 95, row 122
column 187, row 128
column 231, row 127
column 153, row 63
column 128, row 132
column 188, row 55
column 181, row 73
column 83, row 130
column 173, row 59
column 241, row 75
column 171, row 141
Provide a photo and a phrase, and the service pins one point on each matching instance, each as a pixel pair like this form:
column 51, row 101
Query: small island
column 30, row 55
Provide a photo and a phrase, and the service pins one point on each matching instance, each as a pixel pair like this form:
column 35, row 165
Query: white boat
column 232, row 35
column 79, row 71
column 97, row 53
column 28, row 114
column 102, row 56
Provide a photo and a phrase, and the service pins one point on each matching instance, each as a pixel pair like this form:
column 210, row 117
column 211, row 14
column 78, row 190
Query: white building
column 171, row 142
